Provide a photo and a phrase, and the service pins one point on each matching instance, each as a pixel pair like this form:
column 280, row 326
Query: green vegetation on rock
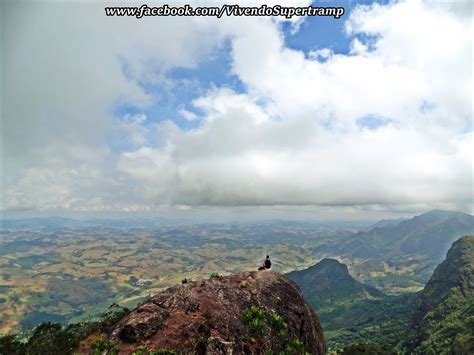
column 444, row 320
column 260, row 323
column 56, row 339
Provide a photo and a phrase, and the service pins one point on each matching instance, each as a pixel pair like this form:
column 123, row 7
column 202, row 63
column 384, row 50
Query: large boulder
column 206, row 317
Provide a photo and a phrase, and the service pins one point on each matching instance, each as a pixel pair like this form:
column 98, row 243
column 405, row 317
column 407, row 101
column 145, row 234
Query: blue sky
column 185, row 84
column 182, row 85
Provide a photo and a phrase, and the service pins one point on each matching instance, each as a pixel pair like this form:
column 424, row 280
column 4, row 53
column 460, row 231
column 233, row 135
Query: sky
column 366, row 115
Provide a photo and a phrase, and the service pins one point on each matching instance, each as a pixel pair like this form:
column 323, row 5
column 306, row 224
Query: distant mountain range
column 58, row 223
column 429, row 234
column 387, row 223
column 400, row 255
column 438, row 320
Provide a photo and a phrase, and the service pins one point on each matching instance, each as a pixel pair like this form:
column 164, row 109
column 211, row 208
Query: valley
column 72, row 274
column 65, row 271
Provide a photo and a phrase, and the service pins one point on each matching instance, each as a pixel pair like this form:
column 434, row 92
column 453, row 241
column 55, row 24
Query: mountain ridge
column 444, row 319
column 350, row 311
column 429, row 234
column 330, row 278
column 437, row 320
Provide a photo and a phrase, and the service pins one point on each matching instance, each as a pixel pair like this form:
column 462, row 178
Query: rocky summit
column 252, row 312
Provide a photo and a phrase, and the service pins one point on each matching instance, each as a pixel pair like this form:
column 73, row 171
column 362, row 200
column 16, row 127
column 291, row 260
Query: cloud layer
column 387, row 125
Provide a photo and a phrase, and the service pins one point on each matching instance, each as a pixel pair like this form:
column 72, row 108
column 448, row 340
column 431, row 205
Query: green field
column 73, row 274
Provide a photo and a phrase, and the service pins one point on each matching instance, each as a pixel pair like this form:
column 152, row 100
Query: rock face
column 206, row 317
column 443, row 321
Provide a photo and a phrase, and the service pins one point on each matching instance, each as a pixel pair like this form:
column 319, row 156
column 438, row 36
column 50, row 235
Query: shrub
column 254, row 318
column 141, row 350
column 363, row 349
column 54, row 338
column 278, row 325
column 296, row 347
column 10, row 345
column 163, row 352
column 258, row 322
column 51, row 338
column 99, row 346
column 113, row 314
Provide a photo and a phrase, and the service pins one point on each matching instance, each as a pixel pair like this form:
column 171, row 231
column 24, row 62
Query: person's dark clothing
column 267, row 264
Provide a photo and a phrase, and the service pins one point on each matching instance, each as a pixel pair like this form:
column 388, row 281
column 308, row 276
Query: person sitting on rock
column 267, row 264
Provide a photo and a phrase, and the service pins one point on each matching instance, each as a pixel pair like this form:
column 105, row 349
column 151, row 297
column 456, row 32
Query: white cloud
column 292, row 139
column 188, row 115
column 132, row 129
column 66, row 67
column 323, row 54
column 358, row 48
column 303, row 144
column 237, row 159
